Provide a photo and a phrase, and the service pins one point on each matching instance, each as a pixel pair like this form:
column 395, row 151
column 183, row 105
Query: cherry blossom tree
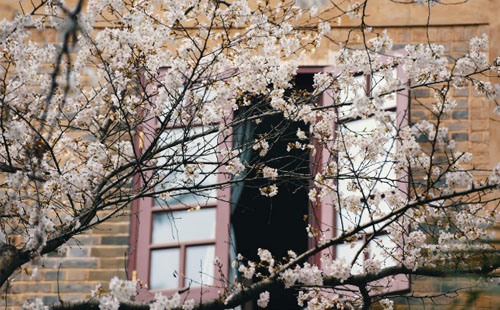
column 86, row 130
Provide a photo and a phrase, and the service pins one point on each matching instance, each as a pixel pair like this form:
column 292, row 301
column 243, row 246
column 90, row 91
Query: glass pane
column 182, row 226
column 199, row 153
column 381, row 249
column 200, row 265
column 355, row 87
column 164, row 269
column 195, row 102
column 348, row 252
column 381, row 84
column 376, row 173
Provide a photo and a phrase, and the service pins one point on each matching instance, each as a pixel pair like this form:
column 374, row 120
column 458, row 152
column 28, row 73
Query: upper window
column 363, row 176
column 369, row 175
column 179, row 238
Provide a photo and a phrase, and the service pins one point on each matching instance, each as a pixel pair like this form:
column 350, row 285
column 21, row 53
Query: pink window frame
column 140, row 247
column 323, row 217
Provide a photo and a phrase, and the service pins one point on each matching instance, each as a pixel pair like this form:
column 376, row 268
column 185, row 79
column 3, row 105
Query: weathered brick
column 420, row 93
column 404, row 36
column 111, row 229
column 456, row 126
column 26, row 287
column 76, row 275
column 79, row 263
column 460, row 136
column 460, row 92
column 460, row 114
column 76, row 297
column 471, row 32
column 462, row 103
column 112, row 240
column 479, row 113
column 433, row 33
column 487, row 301
column 445, row 34
column 56, row 254
column 459, row 33
column 50, row 299
column 83, row 240
column 109, row 252
column 480, row 136
column 101, row 275
column 78, row 252
column 462, row 47
column 53, row 275
column 418, row 115
column 113, row 262
column 479, row 126
column 419, row 35
column 73, row 287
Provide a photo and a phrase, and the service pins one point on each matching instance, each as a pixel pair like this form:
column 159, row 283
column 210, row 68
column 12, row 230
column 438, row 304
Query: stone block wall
column 71, row 274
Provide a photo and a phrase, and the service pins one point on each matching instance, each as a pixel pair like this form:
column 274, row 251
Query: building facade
column 112, row 248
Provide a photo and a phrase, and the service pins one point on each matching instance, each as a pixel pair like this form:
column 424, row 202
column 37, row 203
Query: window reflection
column 200, row 265
column 182, row 226
column 164, row 269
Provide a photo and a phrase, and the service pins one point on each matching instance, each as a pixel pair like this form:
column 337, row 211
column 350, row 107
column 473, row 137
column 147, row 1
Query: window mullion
column 182, row 265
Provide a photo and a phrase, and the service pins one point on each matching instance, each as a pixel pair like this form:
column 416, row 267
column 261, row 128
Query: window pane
column 200, row 265
column 373, row 174
column 195, row 102
column 355, row 87
column 199, row 153
column 164, row 264
column 382, row 248
column 384, row 83
column 348, row 252
column 182, row 226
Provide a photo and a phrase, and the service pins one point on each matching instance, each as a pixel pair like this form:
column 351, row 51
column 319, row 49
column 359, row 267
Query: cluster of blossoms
column 123, row 291
column 36, row 304
column 119, row 291
column 263, row 299
column 162, row 302
column 69, row 145
column 308, row 275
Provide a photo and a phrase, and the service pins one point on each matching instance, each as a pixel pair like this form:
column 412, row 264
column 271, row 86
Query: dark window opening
column 277, row 223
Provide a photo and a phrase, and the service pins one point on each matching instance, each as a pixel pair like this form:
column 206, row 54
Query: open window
column 175, row 239
column 361, row 173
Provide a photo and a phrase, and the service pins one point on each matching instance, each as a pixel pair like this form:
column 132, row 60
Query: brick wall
column 89, row 259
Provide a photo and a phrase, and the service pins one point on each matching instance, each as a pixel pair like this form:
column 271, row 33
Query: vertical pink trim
column 403, row 120
column 182, row 266
column 321, row 217
column 328, row 214
column 135, row 206
column 223, row 215
column 133, row 233
column 402, row 282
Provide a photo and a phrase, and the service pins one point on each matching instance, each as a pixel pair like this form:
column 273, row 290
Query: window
column 176, row 238
column 275, row 223
column 239, row 219
column 351, row 131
